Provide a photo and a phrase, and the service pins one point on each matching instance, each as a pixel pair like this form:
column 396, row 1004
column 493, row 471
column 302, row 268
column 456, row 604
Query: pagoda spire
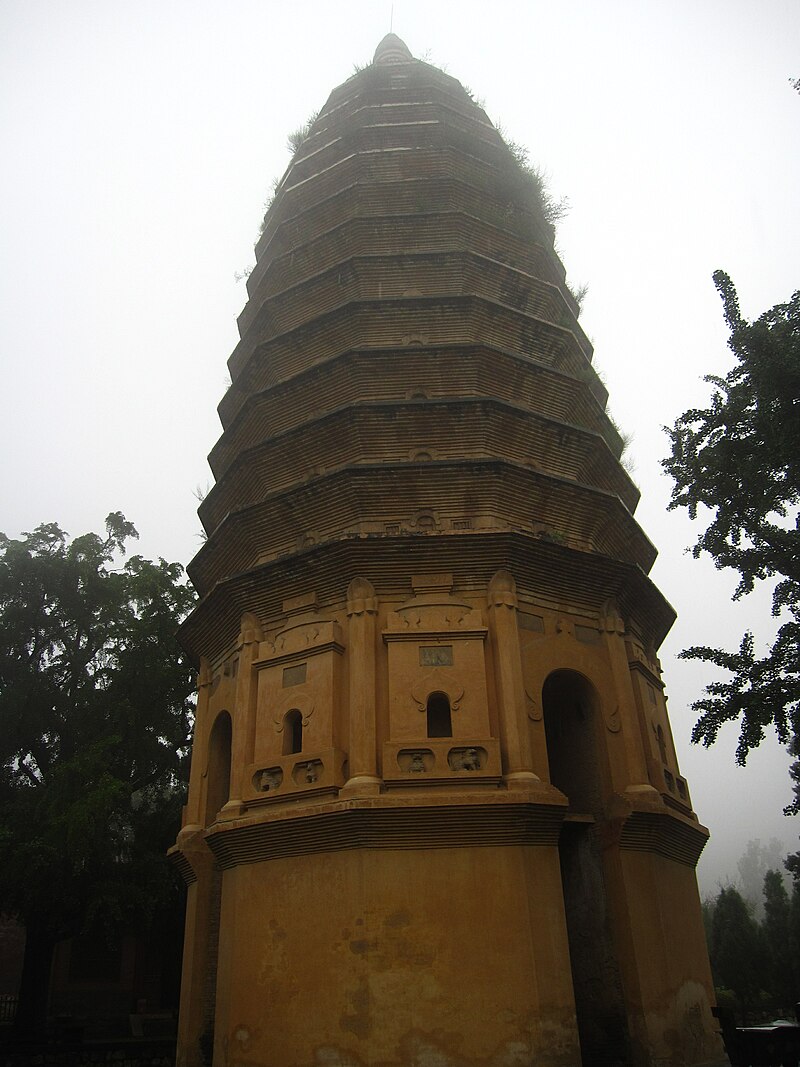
column 392, row 50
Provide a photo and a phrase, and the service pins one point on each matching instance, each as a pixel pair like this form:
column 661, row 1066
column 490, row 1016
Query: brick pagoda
column 435, row 813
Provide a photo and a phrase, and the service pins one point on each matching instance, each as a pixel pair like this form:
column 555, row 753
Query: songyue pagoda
column 435, row 814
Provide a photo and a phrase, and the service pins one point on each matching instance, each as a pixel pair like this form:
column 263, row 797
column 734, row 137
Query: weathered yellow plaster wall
column 327, row 955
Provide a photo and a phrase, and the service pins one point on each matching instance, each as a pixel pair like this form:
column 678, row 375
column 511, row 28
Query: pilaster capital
column 205, row 675
column 361, row 599
column 250, row 632
column 503, row 591
column 611, row 620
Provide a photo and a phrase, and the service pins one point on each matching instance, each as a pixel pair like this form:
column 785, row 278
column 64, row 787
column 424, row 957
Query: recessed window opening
column 662, row 745
column 219, row 766
column 440, row 723
column 571, row 711
column 292, row 732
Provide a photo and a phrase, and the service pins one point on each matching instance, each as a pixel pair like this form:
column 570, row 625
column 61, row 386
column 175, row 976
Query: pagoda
column 435, row 814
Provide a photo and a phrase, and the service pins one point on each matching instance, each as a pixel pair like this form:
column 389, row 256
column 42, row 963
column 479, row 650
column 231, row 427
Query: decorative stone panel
column 300, row 670
column 435, row 644
column 303, row 774
column 440, row 761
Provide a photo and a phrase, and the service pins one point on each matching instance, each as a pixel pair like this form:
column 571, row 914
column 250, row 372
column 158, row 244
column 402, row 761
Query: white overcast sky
column 139, row 142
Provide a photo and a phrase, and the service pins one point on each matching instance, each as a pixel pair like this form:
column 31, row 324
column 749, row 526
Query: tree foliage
column 736, row 950
column 755, row 965
column 753, row 865
column 777, row 927
column 737, row 462
column 95, row 715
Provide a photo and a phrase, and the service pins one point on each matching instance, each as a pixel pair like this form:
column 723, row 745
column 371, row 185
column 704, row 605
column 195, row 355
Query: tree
column 753, row 865
column 794, row 932
column 755, row 964
column 739, row 461
column 777, row 927
column 95, row 715
column 736, row 950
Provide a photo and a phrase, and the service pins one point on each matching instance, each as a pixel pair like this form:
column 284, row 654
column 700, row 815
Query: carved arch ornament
column 304, row 705
column 608, row 710
column 534, row 708
column 434, row 683
column 612, row 718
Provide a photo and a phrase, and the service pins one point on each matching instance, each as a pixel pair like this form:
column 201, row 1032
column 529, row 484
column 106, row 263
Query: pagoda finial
column 392, row 50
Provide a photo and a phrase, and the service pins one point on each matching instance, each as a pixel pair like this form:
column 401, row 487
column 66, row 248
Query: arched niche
column 292, row 732
column 218, row 783
column 571, row 708
column 438, row 715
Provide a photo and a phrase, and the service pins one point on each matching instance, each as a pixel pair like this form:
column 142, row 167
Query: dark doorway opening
column 218, row 790
column 570, row 716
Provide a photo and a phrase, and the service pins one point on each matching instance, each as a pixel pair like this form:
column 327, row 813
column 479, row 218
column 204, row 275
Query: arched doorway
column 572, row 724
column 218, row 788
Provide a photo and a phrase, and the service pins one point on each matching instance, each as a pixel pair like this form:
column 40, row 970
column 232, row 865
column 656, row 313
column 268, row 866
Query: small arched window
column 292, row 732
column 439, row 720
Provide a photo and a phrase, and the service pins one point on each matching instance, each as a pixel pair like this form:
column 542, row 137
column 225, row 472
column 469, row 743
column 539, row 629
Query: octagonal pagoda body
column 435, row 814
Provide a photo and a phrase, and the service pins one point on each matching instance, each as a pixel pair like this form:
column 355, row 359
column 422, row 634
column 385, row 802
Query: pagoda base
column 415, row 930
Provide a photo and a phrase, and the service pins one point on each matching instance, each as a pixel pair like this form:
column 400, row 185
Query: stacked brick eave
column 405, row 233
column 557, row 573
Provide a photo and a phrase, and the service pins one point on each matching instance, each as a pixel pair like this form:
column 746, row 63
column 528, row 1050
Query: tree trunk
column 34, row 990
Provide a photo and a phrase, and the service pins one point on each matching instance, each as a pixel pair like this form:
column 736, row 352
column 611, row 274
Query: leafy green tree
column 736, row 950
column 737, row 461
column 794, row 933
column 95, row 715
column 777, row 928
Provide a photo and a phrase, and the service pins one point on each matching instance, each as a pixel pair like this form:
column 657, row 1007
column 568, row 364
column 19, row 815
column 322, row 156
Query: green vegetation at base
column 96, row 705
column 756, row 965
